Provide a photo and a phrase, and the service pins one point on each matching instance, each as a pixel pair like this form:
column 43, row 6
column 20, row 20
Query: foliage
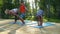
column 53, row 10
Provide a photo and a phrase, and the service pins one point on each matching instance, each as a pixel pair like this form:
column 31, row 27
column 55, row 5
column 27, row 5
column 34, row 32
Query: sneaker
column 14, row 23
column 38, row 26
column 23, row 24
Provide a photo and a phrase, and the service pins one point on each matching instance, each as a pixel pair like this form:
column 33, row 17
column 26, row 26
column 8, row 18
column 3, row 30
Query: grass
column 53, row 20
column 46, row 19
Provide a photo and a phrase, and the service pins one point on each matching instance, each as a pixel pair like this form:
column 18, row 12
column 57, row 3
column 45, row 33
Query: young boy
column 40, row 17
column 22, row 10
column 14, row 12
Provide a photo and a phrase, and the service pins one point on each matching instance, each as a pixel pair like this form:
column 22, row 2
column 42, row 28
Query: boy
column 22, row 10
column 40, row 17
column 14, row 12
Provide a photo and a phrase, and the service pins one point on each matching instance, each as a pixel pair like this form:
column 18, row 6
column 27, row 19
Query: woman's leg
column 19, row 18
column 15, row 19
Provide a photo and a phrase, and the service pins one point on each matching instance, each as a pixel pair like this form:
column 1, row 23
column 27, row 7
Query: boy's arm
column 26, row 9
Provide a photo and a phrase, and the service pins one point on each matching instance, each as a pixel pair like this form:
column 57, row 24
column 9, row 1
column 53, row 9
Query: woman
column 14, row 12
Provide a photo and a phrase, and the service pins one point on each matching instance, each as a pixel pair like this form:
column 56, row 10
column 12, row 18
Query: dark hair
column 41, row 8
column 22, row 1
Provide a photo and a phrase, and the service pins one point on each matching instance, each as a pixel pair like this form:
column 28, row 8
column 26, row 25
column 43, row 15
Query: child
column 40, row 17
column 22, row 10
column 14, row 12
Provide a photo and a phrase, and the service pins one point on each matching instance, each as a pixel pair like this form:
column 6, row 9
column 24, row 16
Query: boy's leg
column 22, row 20
column 22, row 16
column 38, row 20
column 41, row 20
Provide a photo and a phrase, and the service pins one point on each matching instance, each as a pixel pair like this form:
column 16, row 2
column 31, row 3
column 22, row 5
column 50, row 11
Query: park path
column 6, row 28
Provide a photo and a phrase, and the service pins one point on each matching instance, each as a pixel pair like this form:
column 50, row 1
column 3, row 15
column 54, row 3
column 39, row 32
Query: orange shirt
column 22, row 9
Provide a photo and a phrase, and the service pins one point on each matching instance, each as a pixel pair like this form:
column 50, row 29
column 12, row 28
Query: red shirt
column 22, row 9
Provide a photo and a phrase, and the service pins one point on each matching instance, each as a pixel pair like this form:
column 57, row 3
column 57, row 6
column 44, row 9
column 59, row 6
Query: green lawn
column 45, row 19
column 55, row 20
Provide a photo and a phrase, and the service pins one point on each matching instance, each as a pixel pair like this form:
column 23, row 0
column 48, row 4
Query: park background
column 51, row 9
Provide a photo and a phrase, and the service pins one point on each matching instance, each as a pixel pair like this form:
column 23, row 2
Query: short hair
column 22, row 1
column 6, row 11
column 41, row 8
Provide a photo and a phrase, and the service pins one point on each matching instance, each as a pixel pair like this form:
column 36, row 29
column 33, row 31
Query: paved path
column 6, row 28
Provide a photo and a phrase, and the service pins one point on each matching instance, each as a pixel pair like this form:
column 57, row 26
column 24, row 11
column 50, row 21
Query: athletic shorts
column 22, row 15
